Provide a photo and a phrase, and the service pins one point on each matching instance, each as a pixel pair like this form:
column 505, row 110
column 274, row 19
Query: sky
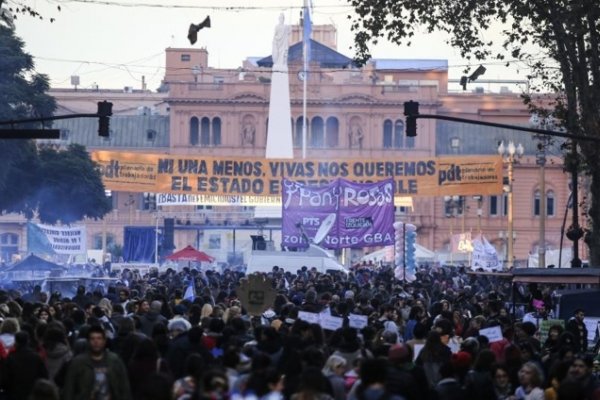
column 113, row 43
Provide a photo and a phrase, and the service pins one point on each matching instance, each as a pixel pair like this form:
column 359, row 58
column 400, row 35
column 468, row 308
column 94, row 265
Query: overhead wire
column 199, row 7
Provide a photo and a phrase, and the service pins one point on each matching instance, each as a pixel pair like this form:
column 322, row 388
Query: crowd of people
column 150, row 337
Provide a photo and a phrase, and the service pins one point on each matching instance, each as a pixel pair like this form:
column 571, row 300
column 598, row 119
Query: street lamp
column 543, row 140
column 108, row 194
column 452, row 205
column 510, row 154
column 479, row 199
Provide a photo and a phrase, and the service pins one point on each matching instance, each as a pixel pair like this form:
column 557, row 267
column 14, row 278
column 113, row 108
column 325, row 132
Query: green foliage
column 71, row 186
column 56, row 184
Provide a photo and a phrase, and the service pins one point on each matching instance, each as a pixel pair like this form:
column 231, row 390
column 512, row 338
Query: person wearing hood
column 152, row 318
column 58, row 352
column 9, row 328
column 22, row 368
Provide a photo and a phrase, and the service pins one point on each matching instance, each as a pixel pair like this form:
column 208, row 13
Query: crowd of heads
column 144, row 336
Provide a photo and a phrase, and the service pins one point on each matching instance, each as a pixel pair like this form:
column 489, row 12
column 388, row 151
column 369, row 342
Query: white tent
column 552, row 258
column 386, row 254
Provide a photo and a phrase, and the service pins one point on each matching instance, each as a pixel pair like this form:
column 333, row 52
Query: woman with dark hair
column 214, row 386
column 415, row 315
column 313, row 386
column 373, row 374
column 513, row 363
column 43, row 314
column 58, row 352
column 433, row 355
column 142, row 366
column 348, row 346
column 186, row 386
column 502, row 386
column 478, row 382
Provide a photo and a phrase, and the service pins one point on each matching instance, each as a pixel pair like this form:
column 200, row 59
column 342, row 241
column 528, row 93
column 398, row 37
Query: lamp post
column 451, row 205
column 574, row 232
column 107, row 193
column 479, row 199
column 510, row 154
column 543, row 141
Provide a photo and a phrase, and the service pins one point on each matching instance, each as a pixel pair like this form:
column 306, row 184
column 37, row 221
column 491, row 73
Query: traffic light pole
column 103, row 114
column 411, row 111
column 412, row 114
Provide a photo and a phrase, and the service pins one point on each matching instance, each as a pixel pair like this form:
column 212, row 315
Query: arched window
column 332, row 132
column 550, row 206
column 216, row 131
column 205, row 131
column 317, row 132
column 298, row 132
column 194, row 131
column 399, row 134
column 387, row 134
column 536, row 203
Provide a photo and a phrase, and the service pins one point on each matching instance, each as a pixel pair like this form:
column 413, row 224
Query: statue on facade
column 356, row 135
column 248, row 134
column 280, row 43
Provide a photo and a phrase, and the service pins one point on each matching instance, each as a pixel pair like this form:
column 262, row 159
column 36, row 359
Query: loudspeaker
column 169, row 234
column 258, row 242
column 194, row 29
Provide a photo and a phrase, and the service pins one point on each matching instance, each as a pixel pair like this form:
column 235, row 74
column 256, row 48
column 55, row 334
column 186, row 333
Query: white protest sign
column 358, row 321
column 454, row 347
column 494, row 334
column 331, row 323
column 418, row 348
column 591, row 323
column 312, row 318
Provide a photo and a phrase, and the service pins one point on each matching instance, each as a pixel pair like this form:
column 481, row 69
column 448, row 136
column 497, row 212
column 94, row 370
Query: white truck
column 314, row 256
column 292, row 261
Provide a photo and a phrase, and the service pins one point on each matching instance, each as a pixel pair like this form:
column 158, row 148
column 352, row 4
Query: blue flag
column 190, row 293
column 306, row 33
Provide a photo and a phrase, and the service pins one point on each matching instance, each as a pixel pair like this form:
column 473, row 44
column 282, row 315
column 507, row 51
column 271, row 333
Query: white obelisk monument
column 279, row 130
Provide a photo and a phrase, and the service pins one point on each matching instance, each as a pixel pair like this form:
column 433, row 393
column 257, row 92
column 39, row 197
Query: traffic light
column 411, row 110
column 104, row 113
column 411, row 249
column 399, row 244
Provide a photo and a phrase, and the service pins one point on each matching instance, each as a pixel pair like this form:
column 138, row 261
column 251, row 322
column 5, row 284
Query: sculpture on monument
column 280, row 42
column 356, row 135
column 248, row 133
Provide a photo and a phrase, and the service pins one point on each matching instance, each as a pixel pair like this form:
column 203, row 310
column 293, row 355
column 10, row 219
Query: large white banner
column 56, row 239
column 484, row 255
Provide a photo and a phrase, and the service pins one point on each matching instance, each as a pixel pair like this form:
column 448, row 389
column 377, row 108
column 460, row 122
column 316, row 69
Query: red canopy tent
column 190, row 254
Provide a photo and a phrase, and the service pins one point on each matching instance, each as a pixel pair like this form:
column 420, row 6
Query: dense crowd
column 139, row 338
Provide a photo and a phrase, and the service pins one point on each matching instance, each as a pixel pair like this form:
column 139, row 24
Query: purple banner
column 342, row 214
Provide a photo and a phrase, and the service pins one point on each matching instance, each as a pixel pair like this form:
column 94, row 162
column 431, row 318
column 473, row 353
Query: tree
column 70, row 186
column 558, row 39
column 10, row 9
column 58, row 184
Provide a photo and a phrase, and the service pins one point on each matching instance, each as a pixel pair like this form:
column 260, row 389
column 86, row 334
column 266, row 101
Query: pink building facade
column 351, row 113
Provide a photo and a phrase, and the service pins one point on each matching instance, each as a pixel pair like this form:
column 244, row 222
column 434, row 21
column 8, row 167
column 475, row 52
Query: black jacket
column 22, row 368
